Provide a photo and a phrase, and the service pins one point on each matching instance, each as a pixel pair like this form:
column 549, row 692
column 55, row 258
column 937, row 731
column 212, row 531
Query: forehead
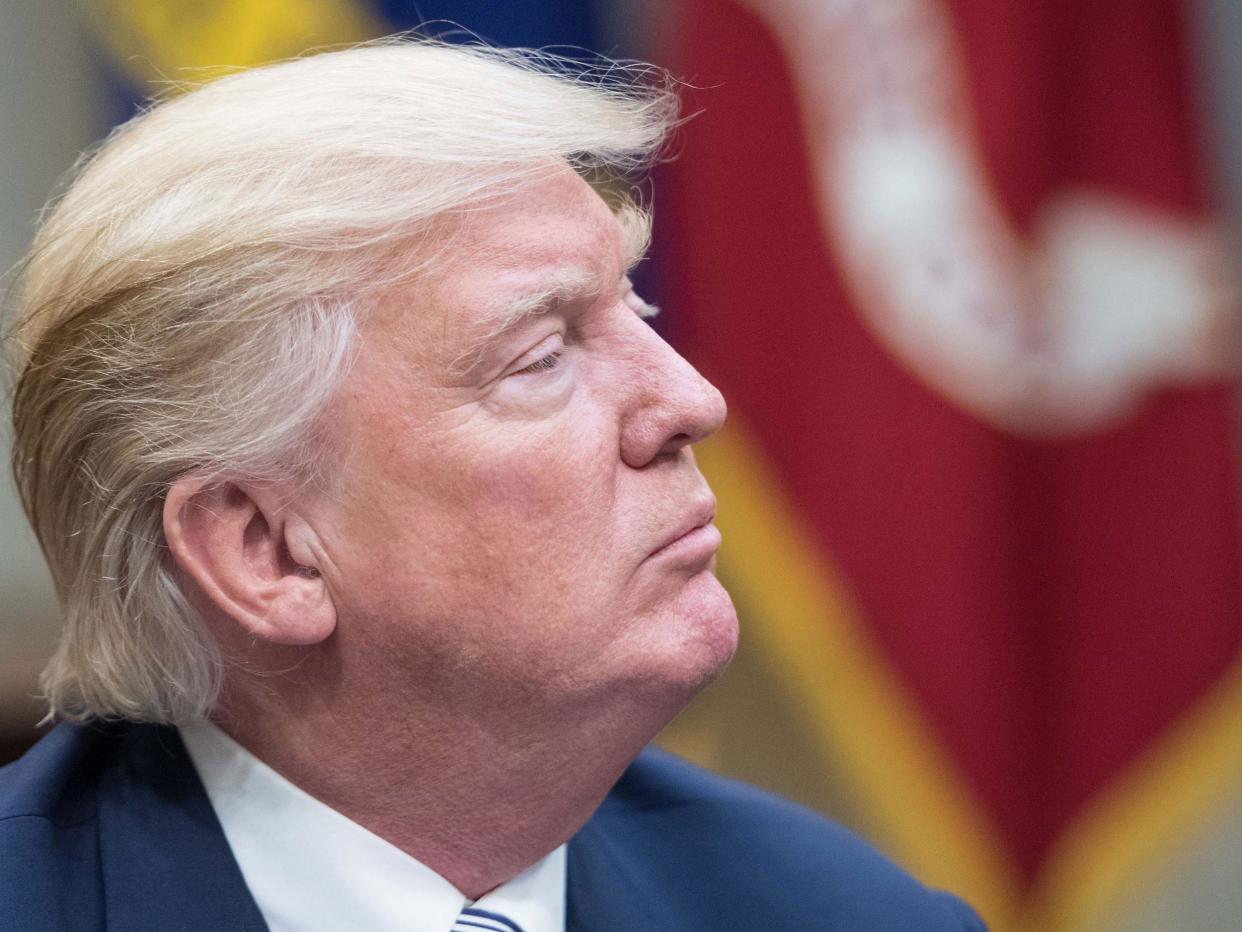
column 553, row 236
column 559, row 217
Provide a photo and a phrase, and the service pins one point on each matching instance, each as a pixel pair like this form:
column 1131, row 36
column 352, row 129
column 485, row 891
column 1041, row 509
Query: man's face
column 507, row 499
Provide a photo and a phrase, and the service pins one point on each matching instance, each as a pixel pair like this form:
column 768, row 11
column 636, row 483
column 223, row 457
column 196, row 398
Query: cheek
column 525, row 545
column 513, row 521
column 547, row 494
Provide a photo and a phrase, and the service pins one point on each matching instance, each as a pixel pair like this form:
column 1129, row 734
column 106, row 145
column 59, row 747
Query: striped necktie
column 473, row 920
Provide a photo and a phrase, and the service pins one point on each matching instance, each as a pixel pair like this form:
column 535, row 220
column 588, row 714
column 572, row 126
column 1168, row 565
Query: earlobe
column 231, row 543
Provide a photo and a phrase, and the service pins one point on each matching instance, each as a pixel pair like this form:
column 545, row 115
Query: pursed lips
column 697, row 516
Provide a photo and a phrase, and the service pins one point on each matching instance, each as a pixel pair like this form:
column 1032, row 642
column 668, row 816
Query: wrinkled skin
column 463, row 641
column 494, row 527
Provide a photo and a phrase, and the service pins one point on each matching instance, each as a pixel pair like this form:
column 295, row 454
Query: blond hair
column 190, row 304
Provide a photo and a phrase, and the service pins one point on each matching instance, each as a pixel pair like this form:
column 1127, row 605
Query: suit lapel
column 164, row 859
column 605, row 888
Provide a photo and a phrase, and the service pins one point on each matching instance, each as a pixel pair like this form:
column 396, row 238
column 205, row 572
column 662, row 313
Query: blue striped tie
column 472, row 920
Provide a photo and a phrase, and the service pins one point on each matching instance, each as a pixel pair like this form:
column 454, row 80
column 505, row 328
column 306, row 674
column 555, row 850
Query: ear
column 236, row 552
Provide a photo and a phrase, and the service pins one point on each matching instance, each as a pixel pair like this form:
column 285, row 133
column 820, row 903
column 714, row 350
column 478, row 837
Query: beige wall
column 47, row 115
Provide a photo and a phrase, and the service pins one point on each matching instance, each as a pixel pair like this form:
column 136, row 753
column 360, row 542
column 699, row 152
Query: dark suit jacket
column 108, row 827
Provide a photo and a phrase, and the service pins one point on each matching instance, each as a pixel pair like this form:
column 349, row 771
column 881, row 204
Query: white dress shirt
column 311, row 868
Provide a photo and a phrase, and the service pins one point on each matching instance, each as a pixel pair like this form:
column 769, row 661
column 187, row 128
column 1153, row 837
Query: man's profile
column 381, row 550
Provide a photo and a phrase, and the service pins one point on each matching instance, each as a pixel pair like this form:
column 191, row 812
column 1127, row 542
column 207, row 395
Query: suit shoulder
column 47, row 781
column 49, row 850
column 56, row 779
column 754, row 846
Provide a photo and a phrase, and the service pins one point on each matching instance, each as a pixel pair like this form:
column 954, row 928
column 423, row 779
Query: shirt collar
column 308, row 866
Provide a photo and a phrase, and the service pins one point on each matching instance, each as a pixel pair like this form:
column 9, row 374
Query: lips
column 696, row 518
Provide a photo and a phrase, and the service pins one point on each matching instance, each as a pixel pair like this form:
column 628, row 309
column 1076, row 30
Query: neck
column 476, row 798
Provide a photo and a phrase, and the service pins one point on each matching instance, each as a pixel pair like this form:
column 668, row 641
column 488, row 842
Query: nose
column 670, row 405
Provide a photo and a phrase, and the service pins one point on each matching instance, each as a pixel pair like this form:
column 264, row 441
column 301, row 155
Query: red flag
column 952, row 265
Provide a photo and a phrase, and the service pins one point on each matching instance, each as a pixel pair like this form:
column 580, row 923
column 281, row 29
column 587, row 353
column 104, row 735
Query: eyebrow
column 562, row 285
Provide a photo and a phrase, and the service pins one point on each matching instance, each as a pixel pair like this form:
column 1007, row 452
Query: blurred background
column 966, row 272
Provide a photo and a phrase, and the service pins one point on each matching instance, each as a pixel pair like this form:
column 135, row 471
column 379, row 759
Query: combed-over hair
column 191, row 302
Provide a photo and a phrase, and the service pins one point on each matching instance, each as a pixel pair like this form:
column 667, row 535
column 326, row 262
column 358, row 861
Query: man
column 355, row 462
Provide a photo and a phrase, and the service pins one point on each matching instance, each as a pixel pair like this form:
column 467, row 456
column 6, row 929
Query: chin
column 697, row 637
column 661, row 658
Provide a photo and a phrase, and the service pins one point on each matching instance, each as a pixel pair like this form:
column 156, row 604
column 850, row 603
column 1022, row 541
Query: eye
column 551, row 361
